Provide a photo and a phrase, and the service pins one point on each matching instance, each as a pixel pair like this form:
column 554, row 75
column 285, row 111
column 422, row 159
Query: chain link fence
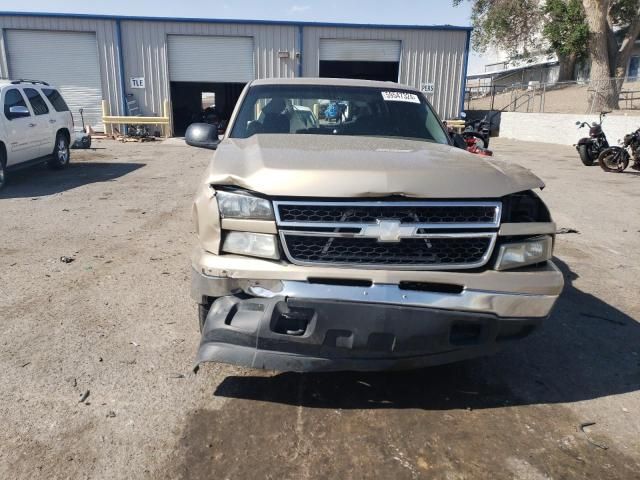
column 557, row 97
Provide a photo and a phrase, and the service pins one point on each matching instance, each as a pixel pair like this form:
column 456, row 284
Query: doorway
column 383, row 71
column 194, row 102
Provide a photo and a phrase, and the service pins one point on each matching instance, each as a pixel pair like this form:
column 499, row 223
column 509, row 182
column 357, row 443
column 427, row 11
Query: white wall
column 561, row 127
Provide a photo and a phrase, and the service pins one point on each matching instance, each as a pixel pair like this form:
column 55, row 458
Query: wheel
column 61, row 154
column 203, row 311
column 586, row 156
column 614, row 160
column 2, row 170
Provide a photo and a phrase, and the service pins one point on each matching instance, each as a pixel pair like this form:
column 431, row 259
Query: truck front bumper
column 296, row 325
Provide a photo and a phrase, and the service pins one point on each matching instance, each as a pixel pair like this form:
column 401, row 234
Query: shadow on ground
column 588, row 349
column 40, row 181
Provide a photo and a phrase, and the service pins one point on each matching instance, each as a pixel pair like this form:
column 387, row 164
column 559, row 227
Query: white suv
column 35, row 126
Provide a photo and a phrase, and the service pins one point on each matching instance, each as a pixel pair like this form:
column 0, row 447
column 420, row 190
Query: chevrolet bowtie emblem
column 388, row 231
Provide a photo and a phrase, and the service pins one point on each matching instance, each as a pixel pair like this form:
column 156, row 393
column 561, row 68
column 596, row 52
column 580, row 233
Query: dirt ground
column 118, row 323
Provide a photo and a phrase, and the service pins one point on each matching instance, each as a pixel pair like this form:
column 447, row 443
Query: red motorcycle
column 471, row 141
column 474, row 146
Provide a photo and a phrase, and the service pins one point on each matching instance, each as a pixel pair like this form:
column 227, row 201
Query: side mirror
column 578, row 123
column 202, row 135
column 18, row 111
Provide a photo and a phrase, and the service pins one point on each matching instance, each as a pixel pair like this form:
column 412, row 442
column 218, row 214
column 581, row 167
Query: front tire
column 203, row 311
column 61, row 153
column 3, row 171
column 614, row 160
column 585, row 155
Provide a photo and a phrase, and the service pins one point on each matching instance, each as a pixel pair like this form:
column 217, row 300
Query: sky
column 403, row 12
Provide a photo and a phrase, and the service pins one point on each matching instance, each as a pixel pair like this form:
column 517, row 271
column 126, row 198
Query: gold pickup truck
column 339, row 229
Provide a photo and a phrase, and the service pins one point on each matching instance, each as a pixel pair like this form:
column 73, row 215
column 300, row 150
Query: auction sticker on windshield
column 400, row 97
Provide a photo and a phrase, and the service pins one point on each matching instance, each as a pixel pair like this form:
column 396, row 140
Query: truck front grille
column 412, row 235
column 368, row 251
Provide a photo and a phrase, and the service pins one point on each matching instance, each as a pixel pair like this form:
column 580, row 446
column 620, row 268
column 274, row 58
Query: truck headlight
column 243, row 205
column 252, row 244
column 524, row 207
column 520, row 254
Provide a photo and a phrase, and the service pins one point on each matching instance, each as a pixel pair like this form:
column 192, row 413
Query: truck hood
column 345, row 167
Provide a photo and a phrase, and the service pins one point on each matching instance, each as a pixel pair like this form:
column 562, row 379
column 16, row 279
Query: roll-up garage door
column 199, row 58
column 68, row 60
column 343, row 50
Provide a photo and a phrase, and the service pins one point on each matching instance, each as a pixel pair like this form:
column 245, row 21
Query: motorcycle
column 474, row 138
column 616, row 159
column 589, row 148
column 478, row 129
column 211, row 116
column 474, row 146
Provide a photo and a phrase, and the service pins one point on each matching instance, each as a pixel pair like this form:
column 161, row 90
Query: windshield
column 333, row 110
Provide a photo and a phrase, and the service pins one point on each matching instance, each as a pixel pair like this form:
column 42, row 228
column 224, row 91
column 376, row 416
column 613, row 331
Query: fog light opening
column 291, row 321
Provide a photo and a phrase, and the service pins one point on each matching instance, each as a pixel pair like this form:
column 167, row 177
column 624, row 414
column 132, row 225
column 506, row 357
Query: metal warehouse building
column 190, row 62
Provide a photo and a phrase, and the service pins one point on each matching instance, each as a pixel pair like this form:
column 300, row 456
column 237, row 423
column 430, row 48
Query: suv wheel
column 3, row 174
column 60, row 152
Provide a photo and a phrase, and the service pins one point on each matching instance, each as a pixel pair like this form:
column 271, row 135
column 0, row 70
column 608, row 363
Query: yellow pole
column 165, row 113
column 108, row 128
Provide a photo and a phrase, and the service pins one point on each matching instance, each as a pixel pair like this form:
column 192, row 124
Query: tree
column 604, row 30
column 610, row 56
column 567, row 32
column 509, row 25
column 524, row 28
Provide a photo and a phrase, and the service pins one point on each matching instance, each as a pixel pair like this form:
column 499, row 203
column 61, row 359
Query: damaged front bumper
column 296, row 325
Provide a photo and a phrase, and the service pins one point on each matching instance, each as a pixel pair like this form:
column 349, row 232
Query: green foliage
column 622, row 12
column 511, row 25
column 565, row 28
column 518, row 26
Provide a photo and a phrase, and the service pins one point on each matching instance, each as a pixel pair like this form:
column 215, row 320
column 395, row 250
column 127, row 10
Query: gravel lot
column 118, row 323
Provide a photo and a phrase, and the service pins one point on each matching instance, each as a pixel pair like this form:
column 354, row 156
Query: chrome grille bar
column 416, row 244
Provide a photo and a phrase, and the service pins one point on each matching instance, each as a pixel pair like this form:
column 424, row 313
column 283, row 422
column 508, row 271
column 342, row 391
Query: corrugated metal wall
column 145, row 47
column 428, row 56
column 106, row 37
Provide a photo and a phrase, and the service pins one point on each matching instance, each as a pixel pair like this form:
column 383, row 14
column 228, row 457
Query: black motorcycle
column 616, row 159
column 211, row 116
column 478, row 129
column 589, row 148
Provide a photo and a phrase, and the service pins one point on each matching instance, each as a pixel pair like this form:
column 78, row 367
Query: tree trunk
column 604, row 91
column 624, row 52
column 567, row 67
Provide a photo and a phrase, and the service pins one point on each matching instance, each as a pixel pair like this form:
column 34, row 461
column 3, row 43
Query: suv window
column 37, row 102
column 56, row 99
column 13, row 98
